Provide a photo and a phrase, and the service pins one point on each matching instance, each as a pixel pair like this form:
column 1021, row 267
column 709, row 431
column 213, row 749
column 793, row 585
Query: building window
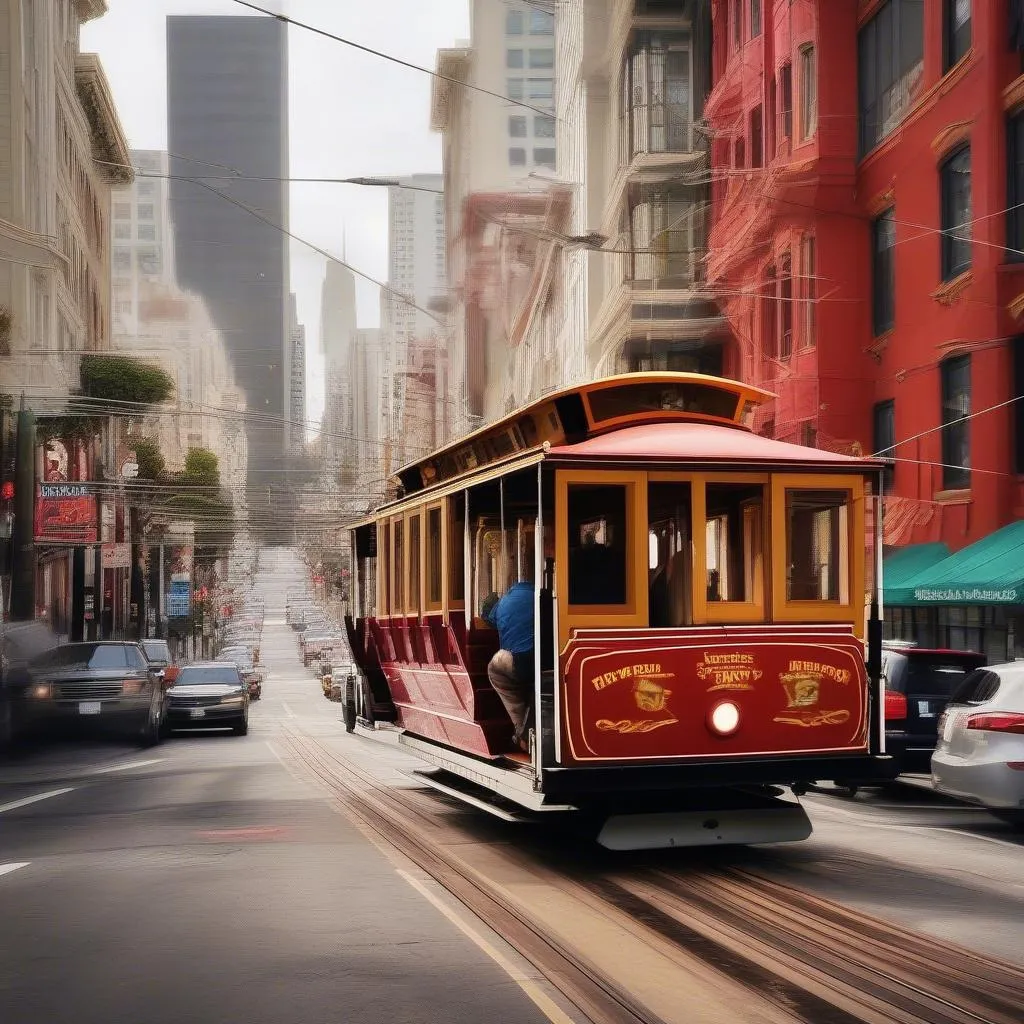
column 756, row 137
column 513, row 58
column 740, row 153
column 786, row 101
column 517, row 156
column 146, row 189
column 808, row 261
column 514, row 23
column 515, row 88
column 147, row 232
column 883, row 272
column 1015, row 187
column 769, row 314
column 122, row 231
column 145, row 211
column 122, row 259
column 808, row 92
column 786, row 307
column 1018, row 405
column 542, row 89
column 655, row 98
column 542, row 59
column 666, row 230
column 755, row 18
column 955, row 183
column 883, row 440
column 544, row 157
column 890, row 65
column 957, row 30
column 956, row 424
column 517, row 127
column 122, row 211
column 542, row 23
column 543, row 126
column 737, row 23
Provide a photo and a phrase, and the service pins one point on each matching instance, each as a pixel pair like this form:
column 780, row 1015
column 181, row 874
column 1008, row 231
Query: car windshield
column 938, row 675
column 156, row 650
column 85, row 656
column 207, row 675
column 237, row 659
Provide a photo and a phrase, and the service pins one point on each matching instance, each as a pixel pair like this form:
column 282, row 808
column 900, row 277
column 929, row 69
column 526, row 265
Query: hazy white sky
column 352, row 114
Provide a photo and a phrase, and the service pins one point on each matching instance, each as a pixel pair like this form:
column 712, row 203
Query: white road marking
column 288, row 711
column 25, row 801
column 6, row 869
column 126, row 767
column 531, row 990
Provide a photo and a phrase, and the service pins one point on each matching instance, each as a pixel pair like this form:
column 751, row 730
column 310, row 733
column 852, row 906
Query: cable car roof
column 583, row 411
column 702, row 442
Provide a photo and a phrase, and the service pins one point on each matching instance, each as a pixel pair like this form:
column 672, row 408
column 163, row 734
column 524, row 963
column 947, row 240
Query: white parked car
column 980, row 752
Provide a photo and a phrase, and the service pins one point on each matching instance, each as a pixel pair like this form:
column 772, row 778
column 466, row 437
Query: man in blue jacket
column 511, row 669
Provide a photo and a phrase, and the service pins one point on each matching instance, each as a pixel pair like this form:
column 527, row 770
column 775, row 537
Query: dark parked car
column 158, row 654
column 20, row 642
column 918, row 684
column 209, row 694
column 108, row 684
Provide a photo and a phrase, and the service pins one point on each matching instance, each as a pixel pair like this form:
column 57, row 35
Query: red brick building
column 868, row 240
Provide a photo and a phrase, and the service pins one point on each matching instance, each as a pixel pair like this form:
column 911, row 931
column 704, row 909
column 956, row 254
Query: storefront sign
column 179, row 599
column 66, row 512
column 972, row 595
column 116, row 556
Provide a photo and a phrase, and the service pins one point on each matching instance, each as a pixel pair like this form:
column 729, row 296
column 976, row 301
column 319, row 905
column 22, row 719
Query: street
column 211, row 878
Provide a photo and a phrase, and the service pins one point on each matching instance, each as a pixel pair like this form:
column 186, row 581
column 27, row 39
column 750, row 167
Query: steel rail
column 819, row 961
column 582, row 984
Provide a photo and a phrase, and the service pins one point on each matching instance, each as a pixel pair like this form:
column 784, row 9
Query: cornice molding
column 87, row 10
column 108, row 138
column 949, row 291
column 950, row 137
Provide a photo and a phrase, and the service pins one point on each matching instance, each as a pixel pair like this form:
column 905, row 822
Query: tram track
column 815, row 961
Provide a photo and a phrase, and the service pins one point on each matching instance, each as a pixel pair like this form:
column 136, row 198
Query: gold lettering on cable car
column 732, row 670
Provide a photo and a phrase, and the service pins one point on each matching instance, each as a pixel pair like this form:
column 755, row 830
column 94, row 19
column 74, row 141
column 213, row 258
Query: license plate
column 89, row 707
column 924, row 709
column 198, row 713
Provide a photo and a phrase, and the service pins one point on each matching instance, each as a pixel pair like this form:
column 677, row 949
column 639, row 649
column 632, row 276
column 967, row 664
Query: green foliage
column 80, row 428
column 201, row 468
column 150, row 459
column 121, row 379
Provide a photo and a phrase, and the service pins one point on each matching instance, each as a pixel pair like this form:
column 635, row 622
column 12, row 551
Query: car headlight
column 133, row 687
column 41, row 691
column 237, row 697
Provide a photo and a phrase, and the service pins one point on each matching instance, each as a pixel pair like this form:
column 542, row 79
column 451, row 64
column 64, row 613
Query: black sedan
column 108, row 684
column 209, row 694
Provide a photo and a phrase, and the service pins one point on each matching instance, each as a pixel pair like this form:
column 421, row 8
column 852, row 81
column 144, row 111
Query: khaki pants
column 514, row 692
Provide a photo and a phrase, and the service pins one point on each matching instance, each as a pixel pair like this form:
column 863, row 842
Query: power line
column 284, row 19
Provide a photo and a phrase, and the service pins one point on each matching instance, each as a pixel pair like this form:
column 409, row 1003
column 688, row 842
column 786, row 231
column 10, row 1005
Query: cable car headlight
column 724, row 718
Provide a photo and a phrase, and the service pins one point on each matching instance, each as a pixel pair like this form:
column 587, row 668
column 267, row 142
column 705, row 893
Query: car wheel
column 152, row 732
column 349, row 713
column 241, row 728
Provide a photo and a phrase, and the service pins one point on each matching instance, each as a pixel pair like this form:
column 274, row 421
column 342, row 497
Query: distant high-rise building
column 227, row 101
column 297, row 409
column 142, row 246
column 416, row 280
column 337, row 330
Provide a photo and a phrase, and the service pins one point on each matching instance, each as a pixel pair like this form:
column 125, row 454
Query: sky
column 351, row 115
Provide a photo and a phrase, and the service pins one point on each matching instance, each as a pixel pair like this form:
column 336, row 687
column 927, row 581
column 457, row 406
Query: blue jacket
column 512, row 616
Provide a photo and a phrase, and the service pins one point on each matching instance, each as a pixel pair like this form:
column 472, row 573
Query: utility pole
column 23, row 548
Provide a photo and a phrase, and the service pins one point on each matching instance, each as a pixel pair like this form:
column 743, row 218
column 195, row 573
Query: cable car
column 699, row 598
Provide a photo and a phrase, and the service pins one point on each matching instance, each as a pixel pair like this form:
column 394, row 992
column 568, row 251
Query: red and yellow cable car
column 699, row 613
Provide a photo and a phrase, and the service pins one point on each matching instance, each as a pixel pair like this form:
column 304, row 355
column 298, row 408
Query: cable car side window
column 817, row 545
column 598, row 537
column 434, row 567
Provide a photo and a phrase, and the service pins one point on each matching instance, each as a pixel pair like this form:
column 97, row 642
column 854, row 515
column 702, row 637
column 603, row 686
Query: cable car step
column 452, row 786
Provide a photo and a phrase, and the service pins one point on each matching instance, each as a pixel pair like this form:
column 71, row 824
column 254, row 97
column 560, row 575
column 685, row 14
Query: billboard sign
column 66, row 513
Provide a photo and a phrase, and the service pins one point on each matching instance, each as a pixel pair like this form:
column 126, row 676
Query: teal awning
column 990, row 571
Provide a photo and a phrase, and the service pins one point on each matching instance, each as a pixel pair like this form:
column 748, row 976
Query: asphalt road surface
column 202, row 881
column 205, row 880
